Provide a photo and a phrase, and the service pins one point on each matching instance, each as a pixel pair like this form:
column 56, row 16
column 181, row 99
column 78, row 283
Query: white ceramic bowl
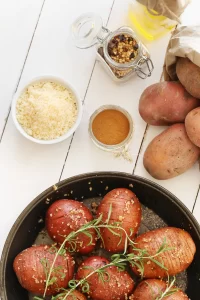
column 57, row 80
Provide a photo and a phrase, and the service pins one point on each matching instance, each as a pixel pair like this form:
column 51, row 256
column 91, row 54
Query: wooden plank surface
column 27, row 168
column 18, row 20
column 103, row 91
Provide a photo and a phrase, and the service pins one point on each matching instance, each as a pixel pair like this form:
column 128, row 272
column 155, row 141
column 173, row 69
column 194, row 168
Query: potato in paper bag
column 185, row 42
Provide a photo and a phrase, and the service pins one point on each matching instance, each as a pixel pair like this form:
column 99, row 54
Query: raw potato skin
column 170, row 154
column 192, row 125
column 189, row 75
column 151, row 289
column 118, row 285
column 126, row 209
column 30, row 271
column 166, row 103
column 175, row 260
column 65, row 216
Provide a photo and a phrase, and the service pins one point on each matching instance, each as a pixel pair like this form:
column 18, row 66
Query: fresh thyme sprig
column 118, row 260
column 136, row 259
column 95, row 224
column 170, row 290
column 70, row 238
column 61, row 295
column 74, row 284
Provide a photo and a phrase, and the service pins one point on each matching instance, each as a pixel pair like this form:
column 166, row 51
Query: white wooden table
column 35, row 40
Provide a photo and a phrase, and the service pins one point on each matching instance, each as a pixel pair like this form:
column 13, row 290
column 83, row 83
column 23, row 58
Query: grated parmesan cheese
column 46, row 110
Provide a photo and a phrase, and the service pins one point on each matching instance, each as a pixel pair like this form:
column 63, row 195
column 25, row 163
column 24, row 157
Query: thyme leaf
column 137, row 258
column 170, row 290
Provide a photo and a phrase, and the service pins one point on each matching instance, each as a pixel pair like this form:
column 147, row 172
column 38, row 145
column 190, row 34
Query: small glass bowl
column 117, row 147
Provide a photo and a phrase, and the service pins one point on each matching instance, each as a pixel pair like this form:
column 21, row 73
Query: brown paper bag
column 185, row 42
column 171, row 9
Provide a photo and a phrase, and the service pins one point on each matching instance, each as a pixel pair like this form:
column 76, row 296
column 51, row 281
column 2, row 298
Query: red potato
column 126, row 209
column 189, row 75
column 75, row 295
column 153, row 289
column 65, row 216
column 166, row 103
column 31, row 264
column 170, row 154
column 176, row 259
column 192, row 126
column 116, row 285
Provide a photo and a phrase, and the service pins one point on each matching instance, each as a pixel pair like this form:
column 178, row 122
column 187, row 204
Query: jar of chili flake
column 121, row 52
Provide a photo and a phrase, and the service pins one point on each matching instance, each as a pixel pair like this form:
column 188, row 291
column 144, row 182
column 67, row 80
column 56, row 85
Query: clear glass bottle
column 88, row 30
column 148, row 23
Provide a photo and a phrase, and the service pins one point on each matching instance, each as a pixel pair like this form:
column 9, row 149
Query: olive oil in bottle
column 148, row 23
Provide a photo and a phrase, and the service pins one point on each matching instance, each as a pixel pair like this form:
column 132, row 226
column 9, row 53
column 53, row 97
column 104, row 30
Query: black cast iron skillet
column 27, row 227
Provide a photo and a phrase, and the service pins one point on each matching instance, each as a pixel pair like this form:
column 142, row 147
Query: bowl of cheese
column 47, row 110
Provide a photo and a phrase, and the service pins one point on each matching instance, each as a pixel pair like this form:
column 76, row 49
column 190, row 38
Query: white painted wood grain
column 83, row 155
column 27, row 168
column 190, row 16
column 17, row 23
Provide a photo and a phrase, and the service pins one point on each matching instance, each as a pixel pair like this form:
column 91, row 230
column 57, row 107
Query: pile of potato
column 156, row 254
column 174, row 103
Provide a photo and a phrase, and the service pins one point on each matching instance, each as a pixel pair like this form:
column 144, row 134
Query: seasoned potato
column 192, row 125
column 126, row 210
column 166, row 103
column 65, row 216
column 178, row 255
column 154, row 289
column 32, row 264
column 189, row 75
column 74, row 295
column 170, row 154
column 111, row 284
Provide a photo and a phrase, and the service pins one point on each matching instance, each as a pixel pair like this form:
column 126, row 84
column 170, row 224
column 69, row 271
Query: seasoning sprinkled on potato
column 126, row 210
column 113, row 284
column 32, row 264
column 65, row 216
column 153, row 289
column 179, row 254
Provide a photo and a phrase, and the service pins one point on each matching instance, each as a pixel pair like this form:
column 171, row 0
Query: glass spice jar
column 124, row 61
